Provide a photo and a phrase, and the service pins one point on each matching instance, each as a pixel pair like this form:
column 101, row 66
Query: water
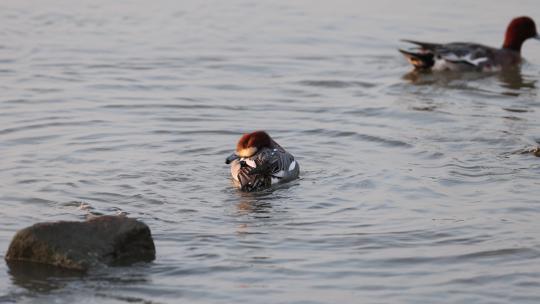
column 413, row 189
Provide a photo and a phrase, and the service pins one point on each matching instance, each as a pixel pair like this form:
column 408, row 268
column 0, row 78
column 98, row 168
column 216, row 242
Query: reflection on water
column 259, row 204
column 449, row 78
column 258, row 207
column 514, row 79
column 40, row 278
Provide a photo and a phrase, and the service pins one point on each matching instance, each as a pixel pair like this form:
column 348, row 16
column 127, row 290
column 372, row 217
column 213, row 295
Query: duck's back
column 272, row 166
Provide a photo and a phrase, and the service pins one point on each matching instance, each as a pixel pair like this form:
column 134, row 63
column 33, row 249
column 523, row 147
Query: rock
column 109, row 240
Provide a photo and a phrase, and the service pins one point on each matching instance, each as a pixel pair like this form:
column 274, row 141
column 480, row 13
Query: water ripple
column 414, row 187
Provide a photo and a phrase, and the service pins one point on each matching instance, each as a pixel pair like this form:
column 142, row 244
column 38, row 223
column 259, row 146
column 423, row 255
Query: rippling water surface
column 414, row 189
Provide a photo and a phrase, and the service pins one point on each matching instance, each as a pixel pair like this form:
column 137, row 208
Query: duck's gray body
column 459, row 56
column 268, row 167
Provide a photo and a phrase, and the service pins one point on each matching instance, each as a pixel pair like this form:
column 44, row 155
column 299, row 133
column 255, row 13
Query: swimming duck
column 259, row 162
column 461, row 56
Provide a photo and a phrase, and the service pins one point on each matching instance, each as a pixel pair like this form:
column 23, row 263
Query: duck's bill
column 231, row 158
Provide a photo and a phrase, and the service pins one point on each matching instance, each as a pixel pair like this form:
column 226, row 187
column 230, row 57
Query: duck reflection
column 511, row 79
column 255, row 210
column 257, row 204
column 514, row 79
column 421, row 77
column 252, row 207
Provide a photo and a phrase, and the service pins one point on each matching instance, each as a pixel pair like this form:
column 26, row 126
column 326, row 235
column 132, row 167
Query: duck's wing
column 279, row 165
column 473, row 55
column 247, row 181
column 254, row 173
column 450, row 56
column 267, row 162
column 426, row 46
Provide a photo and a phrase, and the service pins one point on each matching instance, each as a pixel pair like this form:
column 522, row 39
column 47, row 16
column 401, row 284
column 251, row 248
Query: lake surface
column 414, row 188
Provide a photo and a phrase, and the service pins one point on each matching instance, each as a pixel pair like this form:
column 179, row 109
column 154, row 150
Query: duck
column 464, row 56
column 259, row 163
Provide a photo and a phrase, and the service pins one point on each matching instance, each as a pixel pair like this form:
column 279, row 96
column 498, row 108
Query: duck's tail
column 419, row 60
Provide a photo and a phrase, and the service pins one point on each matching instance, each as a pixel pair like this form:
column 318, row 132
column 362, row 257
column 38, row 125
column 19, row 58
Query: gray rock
column 105, row 240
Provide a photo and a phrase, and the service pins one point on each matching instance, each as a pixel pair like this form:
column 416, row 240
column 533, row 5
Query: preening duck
column 259, row 162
